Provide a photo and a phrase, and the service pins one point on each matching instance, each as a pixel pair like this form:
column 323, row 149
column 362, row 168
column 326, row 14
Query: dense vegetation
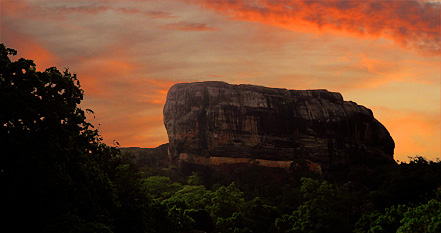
column 56, row 175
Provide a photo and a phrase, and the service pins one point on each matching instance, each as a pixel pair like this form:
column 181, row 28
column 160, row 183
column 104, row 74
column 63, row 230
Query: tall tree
column 55, row 173
column 47, row 171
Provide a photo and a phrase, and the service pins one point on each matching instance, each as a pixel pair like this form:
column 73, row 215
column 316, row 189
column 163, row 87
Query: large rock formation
column 215, row 123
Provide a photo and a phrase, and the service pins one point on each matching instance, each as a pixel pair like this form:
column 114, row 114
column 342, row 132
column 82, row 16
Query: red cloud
column 412, row 24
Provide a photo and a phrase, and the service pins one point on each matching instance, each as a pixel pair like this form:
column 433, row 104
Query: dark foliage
column 56, row 174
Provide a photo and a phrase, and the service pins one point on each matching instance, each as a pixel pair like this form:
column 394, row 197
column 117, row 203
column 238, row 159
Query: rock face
column 213, row 123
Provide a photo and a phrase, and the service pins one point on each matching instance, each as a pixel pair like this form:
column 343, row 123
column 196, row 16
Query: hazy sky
column 385, row 55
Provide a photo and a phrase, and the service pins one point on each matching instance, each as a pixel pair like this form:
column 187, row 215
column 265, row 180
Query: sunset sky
column 385, row 55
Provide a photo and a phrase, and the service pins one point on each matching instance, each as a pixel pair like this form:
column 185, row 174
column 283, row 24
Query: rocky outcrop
column 215, row 122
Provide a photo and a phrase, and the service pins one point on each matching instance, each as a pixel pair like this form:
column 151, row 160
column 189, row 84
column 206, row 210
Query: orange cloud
column 156, row 92
column 135, row 130
column 375, row 69
column 98, row 72
column 131, row 112
column 414, row 133
column 128, row 108
column 380, row 72
column 30, row 49
column 412, row 24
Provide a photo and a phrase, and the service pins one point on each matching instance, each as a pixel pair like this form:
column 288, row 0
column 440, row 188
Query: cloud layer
column 412, row 24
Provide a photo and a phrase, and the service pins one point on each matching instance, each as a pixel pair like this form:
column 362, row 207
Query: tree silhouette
column 55, row 173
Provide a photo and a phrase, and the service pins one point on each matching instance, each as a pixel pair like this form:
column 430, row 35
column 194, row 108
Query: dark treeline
column 359, row 198
column 56, row 175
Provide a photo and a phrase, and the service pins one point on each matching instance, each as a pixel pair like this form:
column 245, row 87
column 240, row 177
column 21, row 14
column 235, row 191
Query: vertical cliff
column 218, row 123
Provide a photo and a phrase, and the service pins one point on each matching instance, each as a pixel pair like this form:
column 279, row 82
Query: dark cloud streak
column 188, row 26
